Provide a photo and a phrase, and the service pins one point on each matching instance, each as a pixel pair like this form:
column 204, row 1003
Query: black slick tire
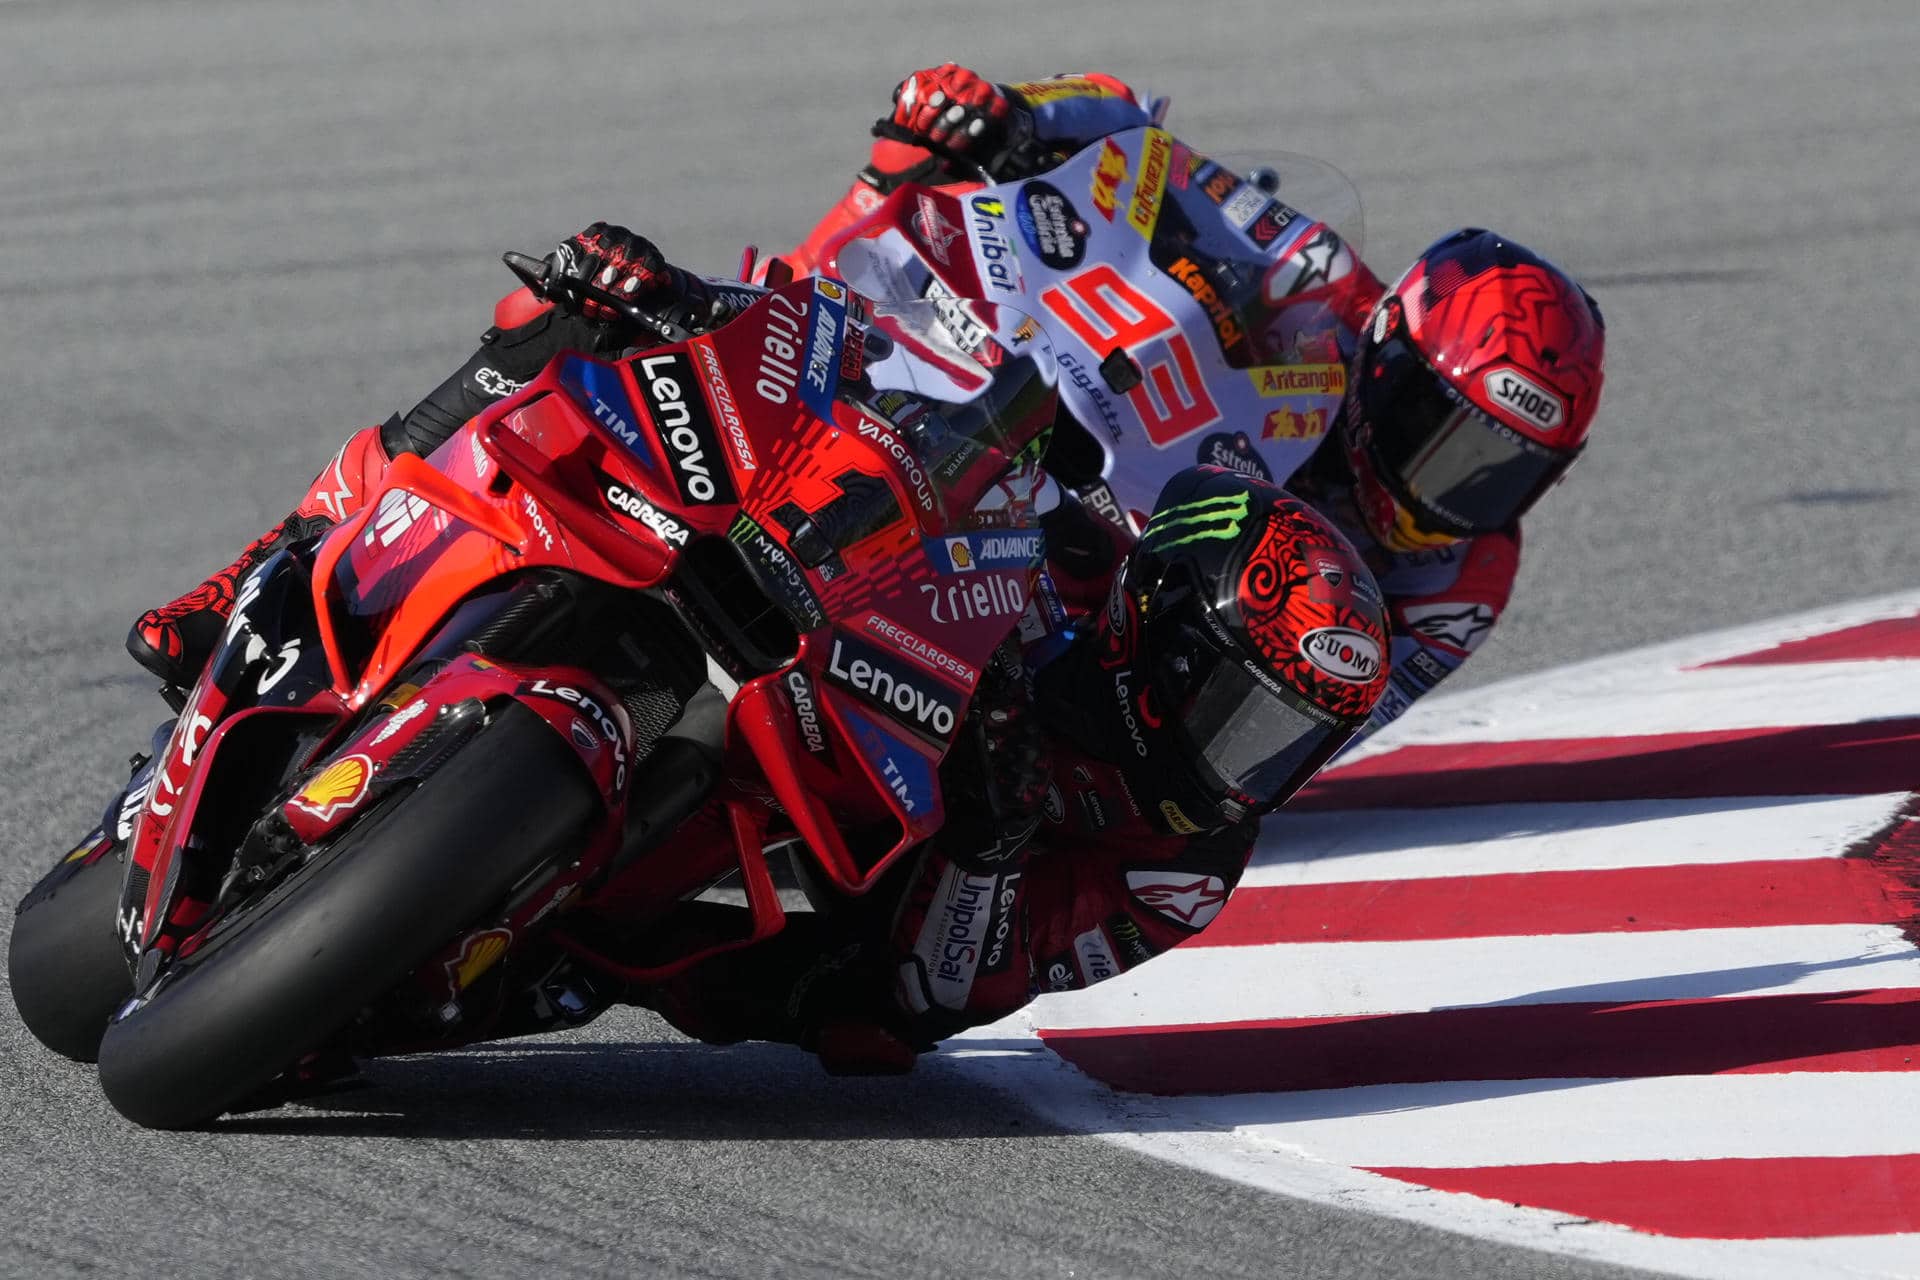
column 67, row 970
column 401, row 884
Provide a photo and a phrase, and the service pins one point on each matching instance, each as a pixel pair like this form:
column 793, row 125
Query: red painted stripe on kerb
column 1824, row 759
column 1713, row 1199
column 1887, row 638
column 1815, row 1031
column 1627, row 900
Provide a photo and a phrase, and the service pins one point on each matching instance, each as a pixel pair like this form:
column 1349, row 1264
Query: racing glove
column 615, row 260
column 951, row 105
column 996, row 790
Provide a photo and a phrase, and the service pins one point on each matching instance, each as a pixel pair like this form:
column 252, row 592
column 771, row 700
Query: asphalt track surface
column 231, row 232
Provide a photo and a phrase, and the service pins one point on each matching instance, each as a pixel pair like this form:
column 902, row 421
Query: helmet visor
column 1450, row 462
column 1258, row 743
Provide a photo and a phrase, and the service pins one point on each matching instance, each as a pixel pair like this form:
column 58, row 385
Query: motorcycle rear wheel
column 67, row 969
column 252, row 1001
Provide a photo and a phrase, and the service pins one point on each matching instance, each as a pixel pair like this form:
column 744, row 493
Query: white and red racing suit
column 1443, row 602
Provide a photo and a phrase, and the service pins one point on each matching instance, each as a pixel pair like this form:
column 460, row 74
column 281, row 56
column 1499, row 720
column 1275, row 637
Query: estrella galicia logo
column 1051, row 226
column 678, row 408
column 1232, row 450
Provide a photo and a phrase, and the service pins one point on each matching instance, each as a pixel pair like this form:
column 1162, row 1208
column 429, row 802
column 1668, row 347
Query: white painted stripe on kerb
column 1478, row 840
column 1624, row 704
column 1191, row 985
column 1470, row 1124
column 1164, row 1128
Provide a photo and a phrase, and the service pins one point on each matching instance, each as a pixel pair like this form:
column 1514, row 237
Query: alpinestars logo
column 679, row 413
column 1456, row 626
column 1200, row 521
column 1190, row 900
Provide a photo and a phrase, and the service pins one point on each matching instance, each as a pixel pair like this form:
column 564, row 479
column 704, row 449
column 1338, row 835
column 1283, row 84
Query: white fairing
column 1074, row 248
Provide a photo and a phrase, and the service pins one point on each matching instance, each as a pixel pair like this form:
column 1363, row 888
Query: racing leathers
column 974, row 926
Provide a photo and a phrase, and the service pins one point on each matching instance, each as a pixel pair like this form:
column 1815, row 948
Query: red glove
column 950, row 104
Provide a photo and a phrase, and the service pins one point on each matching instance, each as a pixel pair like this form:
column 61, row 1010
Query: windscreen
column 969, row 390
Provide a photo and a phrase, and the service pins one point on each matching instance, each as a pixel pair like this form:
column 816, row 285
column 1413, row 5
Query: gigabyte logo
column 679, row 414
column 1524, row 398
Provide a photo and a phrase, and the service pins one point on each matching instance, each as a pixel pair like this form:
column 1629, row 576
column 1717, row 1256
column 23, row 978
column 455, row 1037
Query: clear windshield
column 1260, row 243
column 969, row 390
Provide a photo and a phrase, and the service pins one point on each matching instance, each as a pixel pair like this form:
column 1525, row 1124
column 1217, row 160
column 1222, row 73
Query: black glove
column 615, row 260
column 996, row 778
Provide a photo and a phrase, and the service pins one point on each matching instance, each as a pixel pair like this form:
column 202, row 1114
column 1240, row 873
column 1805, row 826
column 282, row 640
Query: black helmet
column 1245, row 639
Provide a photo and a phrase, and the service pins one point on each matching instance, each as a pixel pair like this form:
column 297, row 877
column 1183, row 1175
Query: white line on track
column 1325, row 979
column 1604, row 835
column 1466, row 1124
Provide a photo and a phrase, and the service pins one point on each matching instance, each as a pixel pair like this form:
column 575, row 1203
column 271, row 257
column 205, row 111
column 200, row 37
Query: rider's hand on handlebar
column 617, row 261
column 952, row 106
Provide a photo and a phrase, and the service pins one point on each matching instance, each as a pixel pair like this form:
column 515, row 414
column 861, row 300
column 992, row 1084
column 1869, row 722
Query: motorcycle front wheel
column 274, row 985
column 65, row 963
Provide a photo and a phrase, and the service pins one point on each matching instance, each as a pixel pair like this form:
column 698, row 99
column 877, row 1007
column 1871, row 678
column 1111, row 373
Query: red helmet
column 1473, row 387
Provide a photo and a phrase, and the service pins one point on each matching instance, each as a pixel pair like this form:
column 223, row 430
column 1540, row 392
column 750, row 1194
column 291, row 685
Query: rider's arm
column 972, row 946
column 1436, row 628
column 528, row 332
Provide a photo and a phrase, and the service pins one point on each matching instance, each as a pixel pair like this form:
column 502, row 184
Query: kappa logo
column 1459, row 626
column 1189, row 900
column 1525, row 399
column 679, row 414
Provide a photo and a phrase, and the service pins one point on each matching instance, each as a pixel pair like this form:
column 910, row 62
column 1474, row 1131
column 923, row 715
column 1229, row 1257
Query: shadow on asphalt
column 661, row 1091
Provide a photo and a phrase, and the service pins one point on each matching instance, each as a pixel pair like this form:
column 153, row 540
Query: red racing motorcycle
column 459, row 765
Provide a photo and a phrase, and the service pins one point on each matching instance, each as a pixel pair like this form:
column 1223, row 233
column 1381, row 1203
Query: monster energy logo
column 1209, row 518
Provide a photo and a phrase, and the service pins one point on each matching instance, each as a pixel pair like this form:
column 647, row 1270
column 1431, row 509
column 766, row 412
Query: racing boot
column 176, row 640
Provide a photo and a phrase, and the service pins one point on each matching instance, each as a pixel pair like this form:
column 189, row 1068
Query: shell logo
column 337, row 788
column 479, row 953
